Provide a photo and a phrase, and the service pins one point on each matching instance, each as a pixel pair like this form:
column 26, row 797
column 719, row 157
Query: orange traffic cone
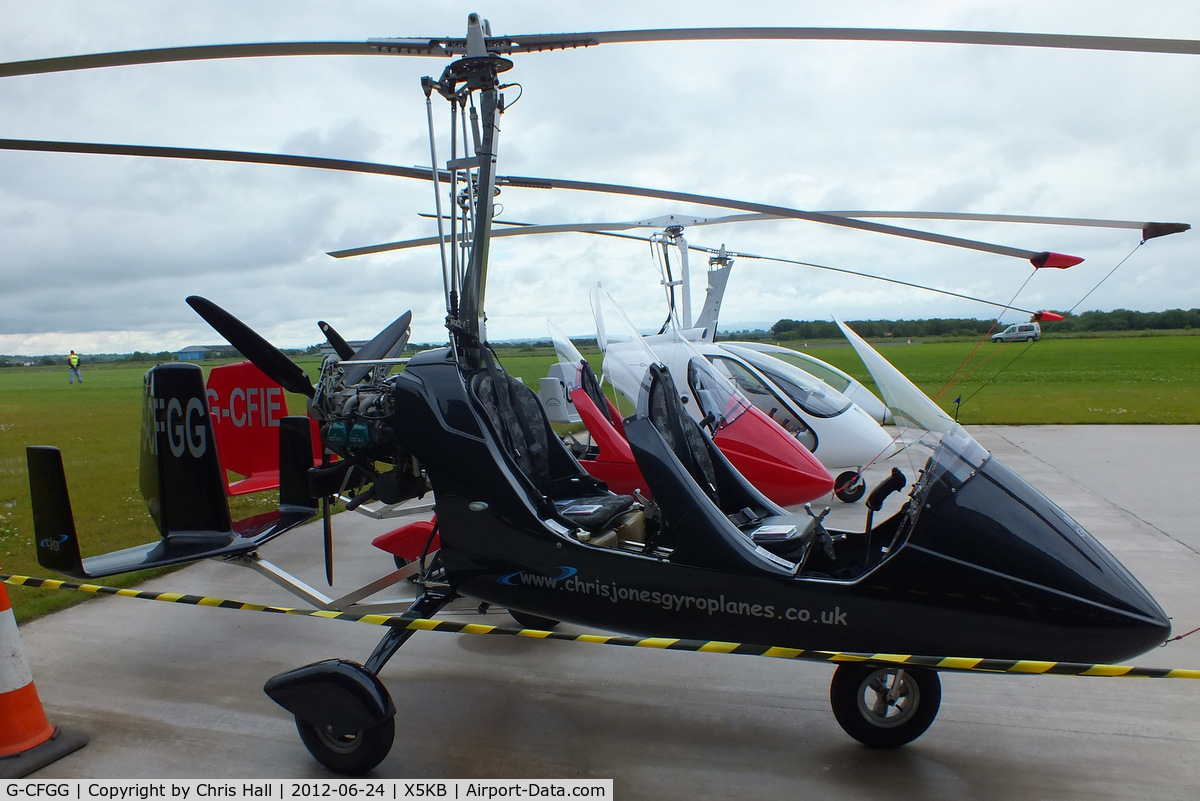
column 27, row 740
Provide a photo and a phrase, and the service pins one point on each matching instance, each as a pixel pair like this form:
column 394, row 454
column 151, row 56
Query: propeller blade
column 327, row 533
column 340, row 346
column 386, row 343
column 525, row 43
column 263, row 354
column 399, row 347
column 327, row 525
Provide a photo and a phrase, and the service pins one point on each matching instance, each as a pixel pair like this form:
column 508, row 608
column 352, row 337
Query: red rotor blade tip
column 1060, row 261
column 1047, row 317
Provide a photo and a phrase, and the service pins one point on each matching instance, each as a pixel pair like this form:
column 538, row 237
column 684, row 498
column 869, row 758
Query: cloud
column 97, row 253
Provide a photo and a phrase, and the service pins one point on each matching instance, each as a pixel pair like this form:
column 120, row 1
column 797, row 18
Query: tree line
column 1087, row 322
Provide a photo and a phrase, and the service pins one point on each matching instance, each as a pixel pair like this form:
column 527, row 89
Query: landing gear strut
column 344, row 714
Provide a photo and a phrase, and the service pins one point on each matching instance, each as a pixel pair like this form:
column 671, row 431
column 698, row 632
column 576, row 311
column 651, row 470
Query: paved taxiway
column 173, row 691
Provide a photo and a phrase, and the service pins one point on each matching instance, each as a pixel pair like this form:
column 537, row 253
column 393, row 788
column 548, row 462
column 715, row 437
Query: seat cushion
column 594, row 512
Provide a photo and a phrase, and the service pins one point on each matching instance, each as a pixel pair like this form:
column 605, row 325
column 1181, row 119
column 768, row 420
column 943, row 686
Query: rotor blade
column 263, row 354
column 1042, row 259
column 380, row 347
column 451, row 46
column 998, row 38
column 167, row 55
column 340, row 346
column 1038, row 259
column 1149, row 230
column 204, row 154
column 528, row 43
column 527, row 230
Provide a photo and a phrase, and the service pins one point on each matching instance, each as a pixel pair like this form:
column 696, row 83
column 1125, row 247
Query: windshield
column 925, row 424
column 717, row 398
column 765, row 398
column 565, row 348
column 826, row 372
column 627, row 358
column 810, row 393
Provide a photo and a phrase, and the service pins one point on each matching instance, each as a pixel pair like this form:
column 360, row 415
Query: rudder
column 180, row 475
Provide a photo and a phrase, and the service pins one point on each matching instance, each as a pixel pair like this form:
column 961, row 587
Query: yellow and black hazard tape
column 960, row 664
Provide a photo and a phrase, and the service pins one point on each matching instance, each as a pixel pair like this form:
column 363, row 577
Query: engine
column 358, row 423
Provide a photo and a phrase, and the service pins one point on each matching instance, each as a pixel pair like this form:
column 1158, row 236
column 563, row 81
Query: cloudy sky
column 97, row 253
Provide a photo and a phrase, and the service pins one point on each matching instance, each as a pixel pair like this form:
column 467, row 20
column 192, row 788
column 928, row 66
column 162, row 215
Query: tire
column 858, row 695
column 352, row 755
column 1028, row 339
column 528, row 621
column 849, row 490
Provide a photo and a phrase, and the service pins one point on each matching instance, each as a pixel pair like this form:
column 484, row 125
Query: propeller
column 263, row 354
column 340, row 346
column 387, row 344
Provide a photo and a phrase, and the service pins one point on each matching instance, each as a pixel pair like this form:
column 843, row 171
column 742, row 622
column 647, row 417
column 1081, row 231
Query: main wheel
column 884, row 707
column 528, row 621
column 349, row 754
column 850, row 486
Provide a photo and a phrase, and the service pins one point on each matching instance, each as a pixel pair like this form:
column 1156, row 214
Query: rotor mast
column 477, row 71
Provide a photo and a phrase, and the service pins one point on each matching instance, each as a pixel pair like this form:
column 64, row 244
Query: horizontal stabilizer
column 180, row 478
column 58, row 543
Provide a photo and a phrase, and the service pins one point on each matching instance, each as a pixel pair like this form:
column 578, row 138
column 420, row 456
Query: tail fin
column 180, row 474
column 53, row 524
column 181, row 480
column 247, row 409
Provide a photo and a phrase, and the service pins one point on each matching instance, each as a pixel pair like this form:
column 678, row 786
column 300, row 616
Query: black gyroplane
column 975, row 563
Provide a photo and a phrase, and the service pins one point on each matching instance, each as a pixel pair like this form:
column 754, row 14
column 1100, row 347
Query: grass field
column 1128, row 380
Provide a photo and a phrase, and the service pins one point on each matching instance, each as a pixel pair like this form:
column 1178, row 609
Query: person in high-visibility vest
column 73, row 360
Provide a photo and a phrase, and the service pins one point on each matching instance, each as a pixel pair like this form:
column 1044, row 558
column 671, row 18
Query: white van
column 1021, row 332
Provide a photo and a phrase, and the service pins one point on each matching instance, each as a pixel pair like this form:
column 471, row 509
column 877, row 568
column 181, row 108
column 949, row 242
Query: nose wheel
column 849, row 486
column 884, row 707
